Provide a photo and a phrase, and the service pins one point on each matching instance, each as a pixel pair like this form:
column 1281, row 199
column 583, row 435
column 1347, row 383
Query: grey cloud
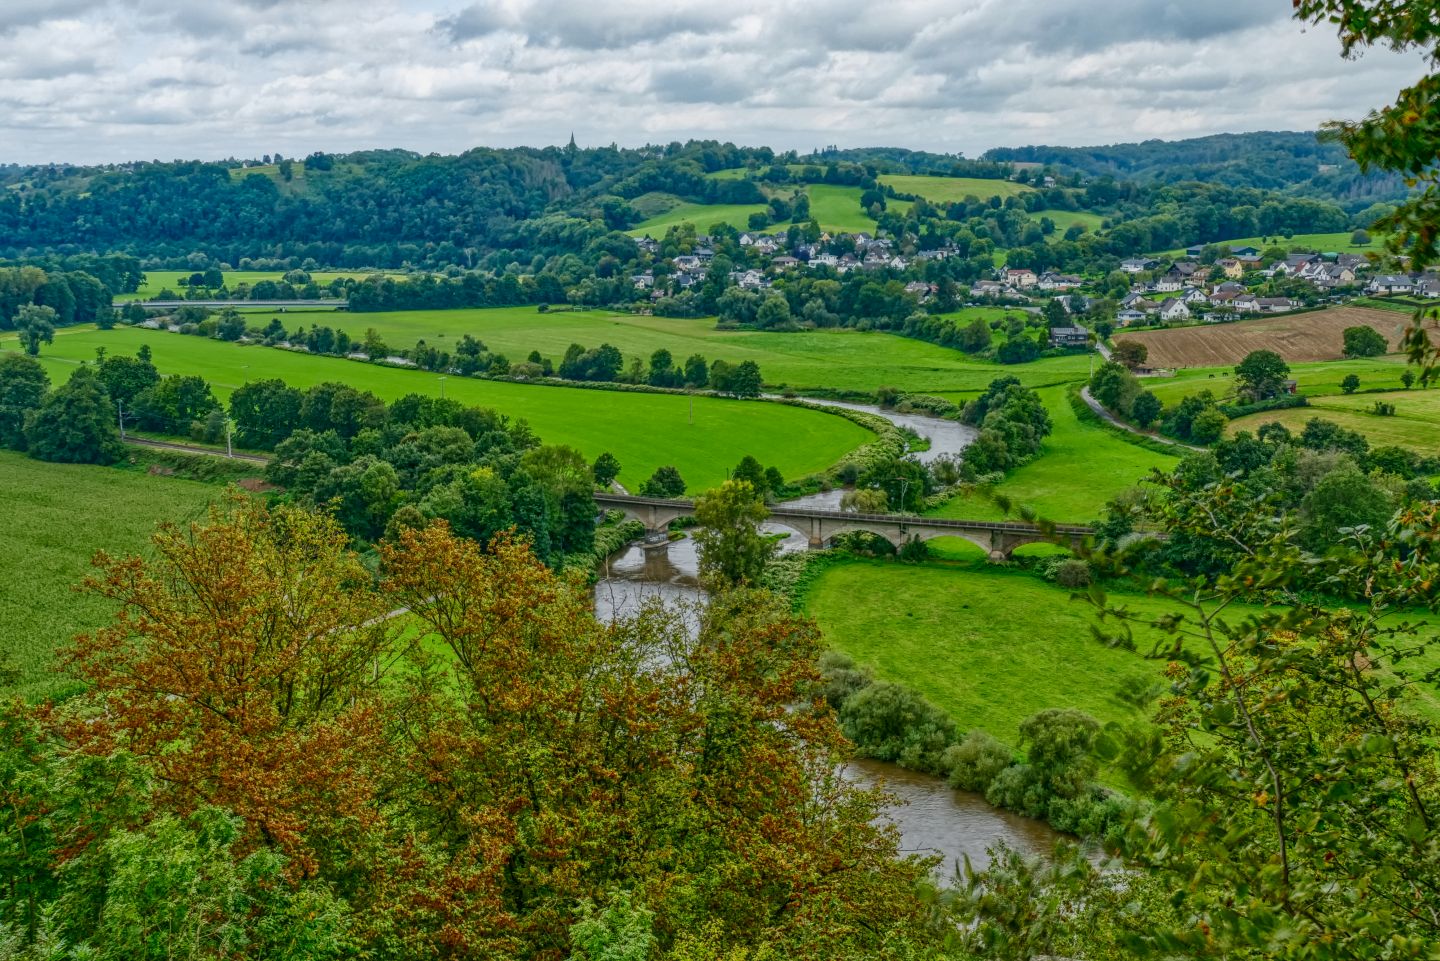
column 587, row 26
column 476, row 20
column 15, row 14
column 697, row 85
column 92, row 80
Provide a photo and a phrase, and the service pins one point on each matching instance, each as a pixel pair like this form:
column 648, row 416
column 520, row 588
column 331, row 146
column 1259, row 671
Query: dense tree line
column 1266, row 160
column 337, row 448
column 75, row 297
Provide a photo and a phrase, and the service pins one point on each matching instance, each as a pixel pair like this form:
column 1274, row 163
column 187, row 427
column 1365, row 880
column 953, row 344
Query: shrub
column 1069, row 572
column 890, row 722
column 976, row 761
column 841, row 679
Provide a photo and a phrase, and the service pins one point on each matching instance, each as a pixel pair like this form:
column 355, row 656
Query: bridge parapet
column 999, row 539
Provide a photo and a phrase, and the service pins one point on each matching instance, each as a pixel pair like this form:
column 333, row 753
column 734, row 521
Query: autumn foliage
column 457, row 751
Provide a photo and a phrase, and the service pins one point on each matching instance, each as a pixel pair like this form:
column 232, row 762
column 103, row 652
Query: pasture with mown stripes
column 704, row 437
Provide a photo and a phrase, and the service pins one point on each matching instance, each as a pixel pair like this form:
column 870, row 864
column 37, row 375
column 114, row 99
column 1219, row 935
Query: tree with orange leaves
column 456, row 760
column 244, row 667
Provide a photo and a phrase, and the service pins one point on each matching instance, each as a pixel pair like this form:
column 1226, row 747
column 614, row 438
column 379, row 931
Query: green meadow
column 987, row 644
column 58, row 516
column 992, row 645
column 703, row 216
column 1081, row 466
column 1065, row 219
column 1311, row 379
column 838, row 210
column 837, row 358
column 942, row 190
column 1412, row 425
column 703, row 437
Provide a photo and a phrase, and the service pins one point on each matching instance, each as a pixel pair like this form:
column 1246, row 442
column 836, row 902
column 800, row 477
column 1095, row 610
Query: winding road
column 1110, row 418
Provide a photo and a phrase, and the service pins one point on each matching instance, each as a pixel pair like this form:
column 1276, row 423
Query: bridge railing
column 780, row 512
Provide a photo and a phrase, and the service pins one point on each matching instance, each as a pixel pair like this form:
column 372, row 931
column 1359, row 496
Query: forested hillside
column 564, row 211
column 1290, row 161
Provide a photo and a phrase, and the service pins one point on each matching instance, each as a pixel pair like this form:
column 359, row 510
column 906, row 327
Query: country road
column 189, row 449
column 1110, row 418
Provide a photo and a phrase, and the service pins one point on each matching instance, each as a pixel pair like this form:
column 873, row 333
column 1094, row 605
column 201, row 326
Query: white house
column 1173, row 309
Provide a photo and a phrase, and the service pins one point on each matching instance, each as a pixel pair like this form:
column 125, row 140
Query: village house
column 644, row 281
column 1386, row 284
column 988, row 288
column 1231, row 268
column 1138, row 265
column 1021, row 278
column 1275, row 305
column 1124, row 318
column 1069, row 337
column 748, row 279
column 1053, row 281
column 920, row 290
column 1173, row 309
column 1167, row 284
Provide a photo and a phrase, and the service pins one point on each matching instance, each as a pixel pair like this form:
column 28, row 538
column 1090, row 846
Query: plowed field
column 1295, row 337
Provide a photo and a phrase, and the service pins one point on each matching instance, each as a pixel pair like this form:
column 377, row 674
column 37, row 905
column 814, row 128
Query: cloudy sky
column 105, row 80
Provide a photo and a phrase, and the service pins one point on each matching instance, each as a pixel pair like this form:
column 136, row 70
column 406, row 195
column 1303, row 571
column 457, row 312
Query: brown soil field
column 1296, row 337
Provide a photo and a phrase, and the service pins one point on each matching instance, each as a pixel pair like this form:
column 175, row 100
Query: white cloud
column 98, row 80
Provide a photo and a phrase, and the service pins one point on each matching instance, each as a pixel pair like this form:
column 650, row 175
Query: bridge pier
column 817, row 534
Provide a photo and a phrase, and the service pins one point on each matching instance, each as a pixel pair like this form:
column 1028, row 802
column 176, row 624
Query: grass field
column 1333, row 243
column 1065, row 219
column 941, row 190
column 1312, row 379
column 644, row 431
column 158, row 280
column 1417, row 414
column 1080, row 468
column 703, row 216
column 842, row 359
column 988, row 645
column 58, row 516
column 1309, row 336
column 837, row 209
column 992, row 646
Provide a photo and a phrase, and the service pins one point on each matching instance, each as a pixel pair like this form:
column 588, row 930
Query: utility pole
column 442, row 387
column 229, row 427
column 121, row 407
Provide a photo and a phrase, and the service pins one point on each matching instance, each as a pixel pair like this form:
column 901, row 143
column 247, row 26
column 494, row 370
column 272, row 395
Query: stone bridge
column 997, row 538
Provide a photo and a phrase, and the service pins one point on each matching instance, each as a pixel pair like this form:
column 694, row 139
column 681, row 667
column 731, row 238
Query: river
column 947, row 437
column 932, row 817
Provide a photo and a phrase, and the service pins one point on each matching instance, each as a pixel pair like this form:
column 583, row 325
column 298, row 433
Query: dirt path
column 205, row 451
